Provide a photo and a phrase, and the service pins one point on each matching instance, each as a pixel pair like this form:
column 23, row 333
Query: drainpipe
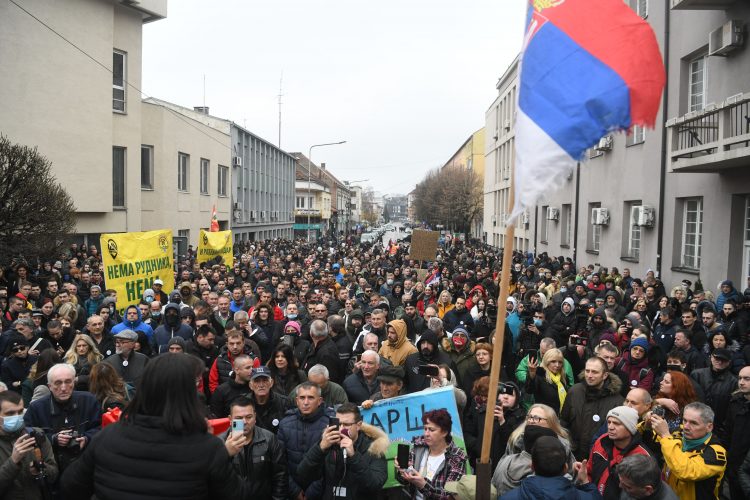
column 664, row 149
column 575, row 224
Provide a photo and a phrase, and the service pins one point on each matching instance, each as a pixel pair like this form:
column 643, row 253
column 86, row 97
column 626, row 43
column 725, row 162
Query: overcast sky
column 403, row 82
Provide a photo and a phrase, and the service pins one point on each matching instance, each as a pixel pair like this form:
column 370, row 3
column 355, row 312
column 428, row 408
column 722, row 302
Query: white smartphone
column 238, row 426
column 36, row 344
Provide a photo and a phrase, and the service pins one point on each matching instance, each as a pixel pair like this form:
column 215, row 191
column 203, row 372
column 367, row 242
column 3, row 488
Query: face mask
column 155, row 314
column 563, row 289
column 291, row 316
column 13, row 423
column 149, row 299
column 537, row 322
column 390, row 282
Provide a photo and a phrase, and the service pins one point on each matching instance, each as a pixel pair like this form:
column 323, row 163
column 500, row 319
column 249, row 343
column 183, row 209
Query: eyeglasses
column 535, row 419
column 19, row 349
column 320, row 310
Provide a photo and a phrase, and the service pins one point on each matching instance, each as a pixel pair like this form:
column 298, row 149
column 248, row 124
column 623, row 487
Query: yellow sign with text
column 216, row 244
column 132, row 261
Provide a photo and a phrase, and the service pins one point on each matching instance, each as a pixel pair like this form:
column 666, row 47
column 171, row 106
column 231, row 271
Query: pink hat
column 294, row 325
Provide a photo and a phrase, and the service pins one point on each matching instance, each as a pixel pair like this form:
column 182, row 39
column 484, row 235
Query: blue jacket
column 170, row 328
column 551, row 488
column 136, row 326
column 297, row 434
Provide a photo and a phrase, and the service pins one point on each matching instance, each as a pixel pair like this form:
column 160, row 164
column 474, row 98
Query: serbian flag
column 214, row 221
column 587, row 68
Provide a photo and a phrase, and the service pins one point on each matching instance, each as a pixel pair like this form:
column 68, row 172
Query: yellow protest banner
column 215, row 244
column 132, row 261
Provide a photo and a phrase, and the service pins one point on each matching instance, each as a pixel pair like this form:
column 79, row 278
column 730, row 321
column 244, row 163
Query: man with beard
column 128, row 363
column 428, row 354
column 458, row 316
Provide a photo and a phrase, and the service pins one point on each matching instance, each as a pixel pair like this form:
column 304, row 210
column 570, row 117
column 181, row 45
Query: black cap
column 721, row 353
column 388, row 373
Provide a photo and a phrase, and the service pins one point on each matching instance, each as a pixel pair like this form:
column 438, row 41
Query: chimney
column 201, row 109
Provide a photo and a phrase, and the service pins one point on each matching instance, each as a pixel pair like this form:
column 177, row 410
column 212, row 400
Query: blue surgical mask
column 563, row 289
column 537, row 322
column 291, row 316
column 390, row 282
column 148, row 299
column 13, row 423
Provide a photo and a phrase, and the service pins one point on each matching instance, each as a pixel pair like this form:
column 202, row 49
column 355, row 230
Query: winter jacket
column 444, row 309
column 415, row 381
column 585, row 409
column 16, row 370
column 511, row 470
column 694, row 474
column 326, row 353
column 453, row 468
column 136, row 326
column 269, row 415
column 223, row 396
column 734, row 434
column 16, row 481
column 397, row 353
column 551, row 488
column 358, row 389
column 142, row 460
column 454, row 318
column 602, row 465
column 744, row 474
column 473, row 426
column 543, row 391
column 636, row 373
column 717, row 390
column 364, row 474
column 297, row 434
column 171, row 327
column 285, row 384
column 130, row 370
column 221, row 370
column 261, row 466
column 461, row 360
column 563, row 325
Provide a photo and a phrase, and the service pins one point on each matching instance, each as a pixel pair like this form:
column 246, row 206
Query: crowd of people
column 611, row 385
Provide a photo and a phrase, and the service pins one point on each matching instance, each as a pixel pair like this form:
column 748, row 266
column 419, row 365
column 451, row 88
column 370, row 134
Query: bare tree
column 450, row 196
column 36, row 213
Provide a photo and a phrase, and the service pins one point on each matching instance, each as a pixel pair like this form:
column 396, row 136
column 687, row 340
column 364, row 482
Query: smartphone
column 333, row 421
column 532, row 356
column 238, row 426
column 429, row 370
column 402, row 455
column 358, row 358
column 38, row 341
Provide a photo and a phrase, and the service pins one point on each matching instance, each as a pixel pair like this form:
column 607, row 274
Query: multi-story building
column 395, row 207
column 312, row 193
column 355, row 205
column 411, row 211
column 675, row 199
column 470, row 156
column 84, row 115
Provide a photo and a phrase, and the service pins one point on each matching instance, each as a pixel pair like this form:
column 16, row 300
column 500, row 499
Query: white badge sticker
column 339, row 492
column 596, row 418
column 275, row 422
column 633, row 383
column 125, row 363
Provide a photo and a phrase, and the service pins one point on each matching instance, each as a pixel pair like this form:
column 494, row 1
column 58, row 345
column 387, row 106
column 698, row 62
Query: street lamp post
column 309, row 180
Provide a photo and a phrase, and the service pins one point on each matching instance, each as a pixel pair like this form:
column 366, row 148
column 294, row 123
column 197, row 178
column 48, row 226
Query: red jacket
column 603, row 460
column 639, row 372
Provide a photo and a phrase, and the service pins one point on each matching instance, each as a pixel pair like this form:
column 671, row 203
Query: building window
column 697, row 84
column 223, row 176
column 636, row 135
column 746, row 251
column 545, row 225
column 639, row 6
column 119, row 60
column 595, row 230
column 692, row 229
column 633, row 248
column 567, row 226
column 183, row 171
column 118, row 177
column 205, row 167
column 300, row 202
column 147, row 167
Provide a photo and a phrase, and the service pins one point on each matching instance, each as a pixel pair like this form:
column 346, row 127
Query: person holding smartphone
column 350, row 457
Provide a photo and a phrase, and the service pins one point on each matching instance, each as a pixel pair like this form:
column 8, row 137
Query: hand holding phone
column 402, row 455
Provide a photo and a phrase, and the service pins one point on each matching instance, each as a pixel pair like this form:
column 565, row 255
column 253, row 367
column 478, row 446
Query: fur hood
column 380, row 441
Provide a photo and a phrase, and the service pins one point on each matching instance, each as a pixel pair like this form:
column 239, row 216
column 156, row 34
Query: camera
column 578, row 340
column 658, row 410
column 505, row 389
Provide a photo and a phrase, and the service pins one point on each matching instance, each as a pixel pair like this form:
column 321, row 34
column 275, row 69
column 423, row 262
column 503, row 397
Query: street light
column 309, row 180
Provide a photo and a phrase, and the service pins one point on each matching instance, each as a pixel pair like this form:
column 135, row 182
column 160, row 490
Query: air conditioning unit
column 237, row 215
column 525, row 218
column 263, row 214
column 506, row 124
column 643, row 215
column 494, row 220
column 254, row 214
column 553, row 213
column 237, row 161
column 727, row 38
column 238, row 205
column 605, row 143
column 599, row 216
column 505, row 219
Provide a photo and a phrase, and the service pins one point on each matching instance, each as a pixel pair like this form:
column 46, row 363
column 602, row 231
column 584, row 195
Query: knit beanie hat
column 627, row 417
column 640, row 342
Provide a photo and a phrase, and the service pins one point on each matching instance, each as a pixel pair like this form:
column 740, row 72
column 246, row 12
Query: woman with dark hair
column 262, row 317
column 35, row 386
column 160, row 448
column 285, row 370
column 434, row 459
column 718, row 339
column 108, row 387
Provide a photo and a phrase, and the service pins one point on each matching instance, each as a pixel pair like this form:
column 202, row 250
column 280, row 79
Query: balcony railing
column 711, row 140
column 701, row 4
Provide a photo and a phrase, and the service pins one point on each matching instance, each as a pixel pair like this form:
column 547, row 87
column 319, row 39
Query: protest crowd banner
column 132, row 261
column 401, row 419
column 215, row 244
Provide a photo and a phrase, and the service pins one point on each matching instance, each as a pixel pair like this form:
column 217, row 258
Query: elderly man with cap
column 621, row 440
column 391, row 379
column 461, row 352
column 128, row 362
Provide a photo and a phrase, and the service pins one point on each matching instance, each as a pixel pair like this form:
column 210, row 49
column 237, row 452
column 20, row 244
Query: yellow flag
column 132, row 261
column 215, row 244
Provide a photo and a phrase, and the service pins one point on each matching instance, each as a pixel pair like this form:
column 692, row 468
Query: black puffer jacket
column 415, row 381
column 717, row 390
column 262, row 467
column 142, row 460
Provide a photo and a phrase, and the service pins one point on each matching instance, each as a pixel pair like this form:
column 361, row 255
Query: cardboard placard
column 423, row 245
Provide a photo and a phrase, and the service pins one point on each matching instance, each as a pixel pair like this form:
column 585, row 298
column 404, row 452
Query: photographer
column 22, row 476
column 533, row 330
column 564, row 324
column 350, row 457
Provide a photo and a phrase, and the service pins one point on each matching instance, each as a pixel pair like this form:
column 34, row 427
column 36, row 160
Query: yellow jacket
column 444, row 308
column 397, row 353
column 694, row 474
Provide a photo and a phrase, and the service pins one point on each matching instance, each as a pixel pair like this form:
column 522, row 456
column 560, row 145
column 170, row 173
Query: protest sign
column 132, row 261
column 401, row 419
column 423, row 245
column 215, row 244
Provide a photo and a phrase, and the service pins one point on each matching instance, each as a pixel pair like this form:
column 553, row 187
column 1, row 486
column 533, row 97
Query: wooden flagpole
column 484, row 466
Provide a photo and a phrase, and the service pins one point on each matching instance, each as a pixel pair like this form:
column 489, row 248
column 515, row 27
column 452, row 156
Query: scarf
column 691, row 444
column 561, row 391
